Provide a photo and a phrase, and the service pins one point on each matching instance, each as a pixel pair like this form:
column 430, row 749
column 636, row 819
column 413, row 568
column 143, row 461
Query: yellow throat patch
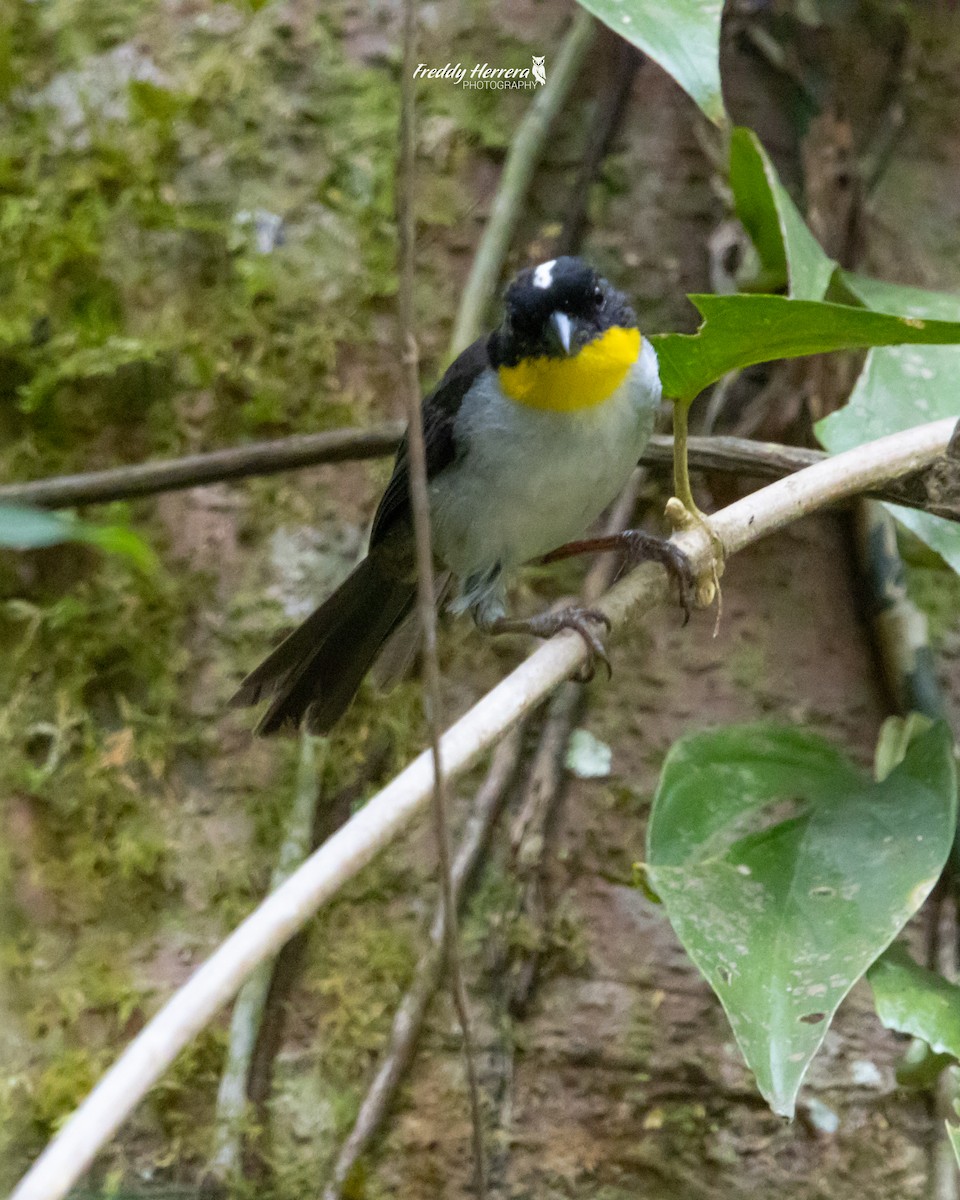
column 581, row 381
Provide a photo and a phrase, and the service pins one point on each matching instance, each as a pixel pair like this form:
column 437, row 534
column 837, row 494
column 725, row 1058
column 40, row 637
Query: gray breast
column 531, row 479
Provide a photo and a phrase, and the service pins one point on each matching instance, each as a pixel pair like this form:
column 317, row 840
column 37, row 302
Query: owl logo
column 539, row 70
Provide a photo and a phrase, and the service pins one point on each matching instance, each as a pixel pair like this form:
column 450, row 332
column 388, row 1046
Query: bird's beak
column 563, row 327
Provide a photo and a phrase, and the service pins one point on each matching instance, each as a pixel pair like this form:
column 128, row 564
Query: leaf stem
column 681, row 467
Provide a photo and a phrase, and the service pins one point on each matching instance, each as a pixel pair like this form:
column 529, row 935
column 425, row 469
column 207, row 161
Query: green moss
column 361, row 965
column 129, row 277
column 61, row 1087
column 184, row 1098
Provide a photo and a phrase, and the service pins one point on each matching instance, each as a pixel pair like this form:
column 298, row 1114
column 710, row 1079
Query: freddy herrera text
column 482, row 75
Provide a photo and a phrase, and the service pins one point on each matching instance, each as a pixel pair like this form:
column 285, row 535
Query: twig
column 393, row 808
column 741, row 456
column 257, row 458
column 251, row 1001
column 522, row 159
column 410, row 1015
column 426, row 591
column 531, row 837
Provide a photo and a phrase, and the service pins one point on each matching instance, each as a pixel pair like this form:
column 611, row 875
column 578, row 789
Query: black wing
column 439, row 410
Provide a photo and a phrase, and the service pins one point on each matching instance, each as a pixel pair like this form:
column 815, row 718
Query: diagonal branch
column 392, row 809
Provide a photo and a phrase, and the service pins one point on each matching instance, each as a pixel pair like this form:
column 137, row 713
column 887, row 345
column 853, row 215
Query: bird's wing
column 439, row 410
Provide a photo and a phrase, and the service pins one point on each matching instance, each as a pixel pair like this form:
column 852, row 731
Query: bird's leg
column 546, row 624
column 682, row 513
column 637, row 547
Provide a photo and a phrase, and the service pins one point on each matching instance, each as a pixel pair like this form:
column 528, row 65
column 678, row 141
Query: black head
column 555, row 309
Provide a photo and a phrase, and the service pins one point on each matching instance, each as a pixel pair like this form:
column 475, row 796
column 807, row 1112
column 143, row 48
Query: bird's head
column 556, row 309
column 568, row 337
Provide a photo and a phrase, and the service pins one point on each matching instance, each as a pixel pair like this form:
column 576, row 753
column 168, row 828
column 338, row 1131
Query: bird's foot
column 636, row 546
column 683, row 517
column 553, row 621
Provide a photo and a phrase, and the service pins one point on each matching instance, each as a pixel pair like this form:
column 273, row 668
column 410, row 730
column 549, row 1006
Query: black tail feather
column 316, row 671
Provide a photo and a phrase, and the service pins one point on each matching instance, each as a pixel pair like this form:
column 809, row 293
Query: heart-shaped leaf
column 786, row 871
column 789, row 253
column 683, row 37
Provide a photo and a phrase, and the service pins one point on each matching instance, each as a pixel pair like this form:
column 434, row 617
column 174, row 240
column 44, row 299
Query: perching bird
column 539, row 70
column 529, row 435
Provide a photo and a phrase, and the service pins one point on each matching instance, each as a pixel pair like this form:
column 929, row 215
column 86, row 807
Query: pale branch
column 393, row 808
column 409, row 1018
column 251, row 1002
column 524, row 154
column 426, row 587
column 935, row 489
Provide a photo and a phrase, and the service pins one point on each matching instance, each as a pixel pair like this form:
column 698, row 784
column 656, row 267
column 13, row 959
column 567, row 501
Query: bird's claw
column 638, row 547
column 641, row 547
column 579, row 619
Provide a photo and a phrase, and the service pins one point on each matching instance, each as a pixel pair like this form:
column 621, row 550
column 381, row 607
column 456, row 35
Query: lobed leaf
column 738, row 331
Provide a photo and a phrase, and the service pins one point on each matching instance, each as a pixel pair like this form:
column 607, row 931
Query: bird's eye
column 598, row 295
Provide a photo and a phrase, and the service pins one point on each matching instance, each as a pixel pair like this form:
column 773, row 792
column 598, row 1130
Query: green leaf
column 919, row 1068
column 738, row 331
column 152, row 102
column 899, row 388
column 24, row 528
column 31, row 528
column 785, row 871
column 789, row 253
column 911, row 999
column 899, row 298
column 683, row 37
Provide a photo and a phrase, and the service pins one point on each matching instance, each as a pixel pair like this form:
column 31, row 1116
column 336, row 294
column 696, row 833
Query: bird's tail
column 321, row 664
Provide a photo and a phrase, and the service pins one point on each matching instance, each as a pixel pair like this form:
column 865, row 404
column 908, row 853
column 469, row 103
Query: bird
column 530, row 434
column 539, row 70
